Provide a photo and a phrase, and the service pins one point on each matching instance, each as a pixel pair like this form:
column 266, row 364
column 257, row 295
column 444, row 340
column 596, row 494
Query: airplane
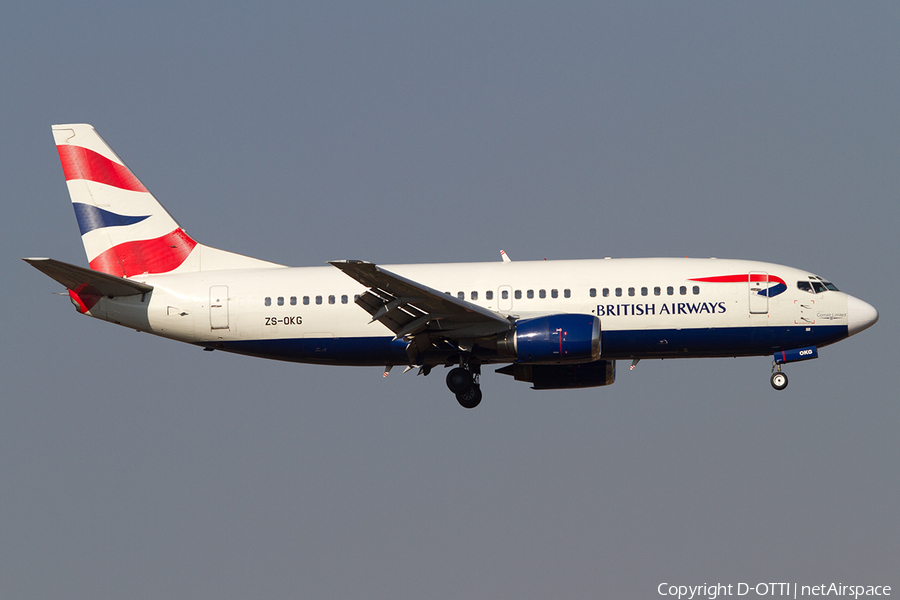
column 555, row 324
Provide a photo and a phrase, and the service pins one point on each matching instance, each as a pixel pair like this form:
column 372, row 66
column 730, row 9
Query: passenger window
column 567, row 293
column 644, row 291
column 305, row 300
column 606, row 292
column 518, row 294
column 504, row 294
column 631, row 291
column 683, row 290
column 554, row 293
column 356, row 297
column 461, row 295
column 530, row 294
column 670, row 290
column 696, row 290
column 344, row 299
column 593, row 292
column 474, row 295
column 618, row 291
column 657, row 291
column 489, row 294
column 280, row 300
column 293, row 300
column 268, row 301
column 330, row 299
column 318, row 299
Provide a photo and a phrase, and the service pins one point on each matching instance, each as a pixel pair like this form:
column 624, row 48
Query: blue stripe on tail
column 91, row 218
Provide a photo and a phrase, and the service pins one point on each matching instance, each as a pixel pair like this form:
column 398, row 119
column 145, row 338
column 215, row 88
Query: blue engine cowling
column 796, row 355
column 554, row 339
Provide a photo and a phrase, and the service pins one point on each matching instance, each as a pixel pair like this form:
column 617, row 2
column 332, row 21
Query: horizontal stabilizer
column 87, row 280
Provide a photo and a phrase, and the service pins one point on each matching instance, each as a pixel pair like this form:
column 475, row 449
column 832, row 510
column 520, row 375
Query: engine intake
column 554, row 339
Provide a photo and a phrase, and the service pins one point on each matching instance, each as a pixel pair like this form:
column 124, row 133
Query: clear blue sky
column 136, row 467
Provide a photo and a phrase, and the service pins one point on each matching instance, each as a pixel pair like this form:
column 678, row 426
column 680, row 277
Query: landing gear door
column 218, row 307
column 759, row 293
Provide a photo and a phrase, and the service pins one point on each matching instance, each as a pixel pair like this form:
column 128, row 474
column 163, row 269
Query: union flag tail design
column 125, row 230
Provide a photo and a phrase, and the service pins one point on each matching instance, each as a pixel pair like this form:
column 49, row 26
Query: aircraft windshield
column 816, row 285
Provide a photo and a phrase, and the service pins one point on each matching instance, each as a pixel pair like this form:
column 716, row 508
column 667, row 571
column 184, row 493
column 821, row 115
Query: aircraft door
column 759, row 295
column 218, row 307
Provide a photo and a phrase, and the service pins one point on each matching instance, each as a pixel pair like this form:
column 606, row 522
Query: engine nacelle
column 554, row 339
column 557, row 377
column 796, row 355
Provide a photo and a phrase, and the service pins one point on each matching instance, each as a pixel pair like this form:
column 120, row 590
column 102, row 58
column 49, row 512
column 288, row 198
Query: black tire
column 470, row 398
column 779, row 380
column 459, row 380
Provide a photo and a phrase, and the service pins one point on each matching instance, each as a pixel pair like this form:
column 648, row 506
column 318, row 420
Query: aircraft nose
column 860, row 315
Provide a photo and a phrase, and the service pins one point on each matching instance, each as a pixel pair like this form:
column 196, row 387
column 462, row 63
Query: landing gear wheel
column 460, row 381
column 470, row 398
column 779, row 380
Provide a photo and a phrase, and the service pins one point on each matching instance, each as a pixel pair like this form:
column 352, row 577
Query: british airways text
column 673, row 308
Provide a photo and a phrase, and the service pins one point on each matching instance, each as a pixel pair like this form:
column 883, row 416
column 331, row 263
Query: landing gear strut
column 464, row 382
column 779, row 378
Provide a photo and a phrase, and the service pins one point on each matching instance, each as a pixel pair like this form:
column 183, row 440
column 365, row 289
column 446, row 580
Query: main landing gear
column 464, row 381
column 779, row 378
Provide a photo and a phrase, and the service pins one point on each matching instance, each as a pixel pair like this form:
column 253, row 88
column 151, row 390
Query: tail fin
column 125, row 230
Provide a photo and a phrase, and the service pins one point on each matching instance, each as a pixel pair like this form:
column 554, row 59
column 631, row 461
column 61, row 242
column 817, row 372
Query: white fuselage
column 648, row 307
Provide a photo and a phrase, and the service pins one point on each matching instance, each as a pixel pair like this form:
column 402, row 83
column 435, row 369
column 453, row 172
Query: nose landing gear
column 464, row 381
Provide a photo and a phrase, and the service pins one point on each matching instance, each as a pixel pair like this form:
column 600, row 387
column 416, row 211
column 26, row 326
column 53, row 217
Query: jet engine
column 553, row 339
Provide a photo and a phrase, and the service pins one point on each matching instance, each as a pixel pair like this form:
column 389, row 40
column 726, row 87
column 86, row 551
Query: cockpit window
column 816, row 285
column 828, row 285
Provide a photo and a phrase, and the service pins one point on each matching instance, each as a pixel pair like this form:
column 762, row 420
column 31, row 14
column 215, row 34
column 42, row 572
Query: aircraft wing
column 87, row 280
column 409, row 308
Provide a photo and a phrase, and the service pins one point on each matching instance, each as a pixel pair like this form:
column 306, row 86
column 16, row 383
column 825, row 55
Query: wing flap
column 407, row 307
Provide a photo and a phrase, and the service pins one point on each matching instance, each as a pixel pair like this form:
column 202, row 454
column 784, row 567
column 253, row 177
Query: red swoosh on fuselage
column 760, row 277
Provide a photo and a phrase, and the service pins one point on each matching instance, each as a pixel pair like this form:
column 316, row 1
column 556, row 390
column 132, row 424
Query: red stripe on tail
column 159, row 255
column 81, row 163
